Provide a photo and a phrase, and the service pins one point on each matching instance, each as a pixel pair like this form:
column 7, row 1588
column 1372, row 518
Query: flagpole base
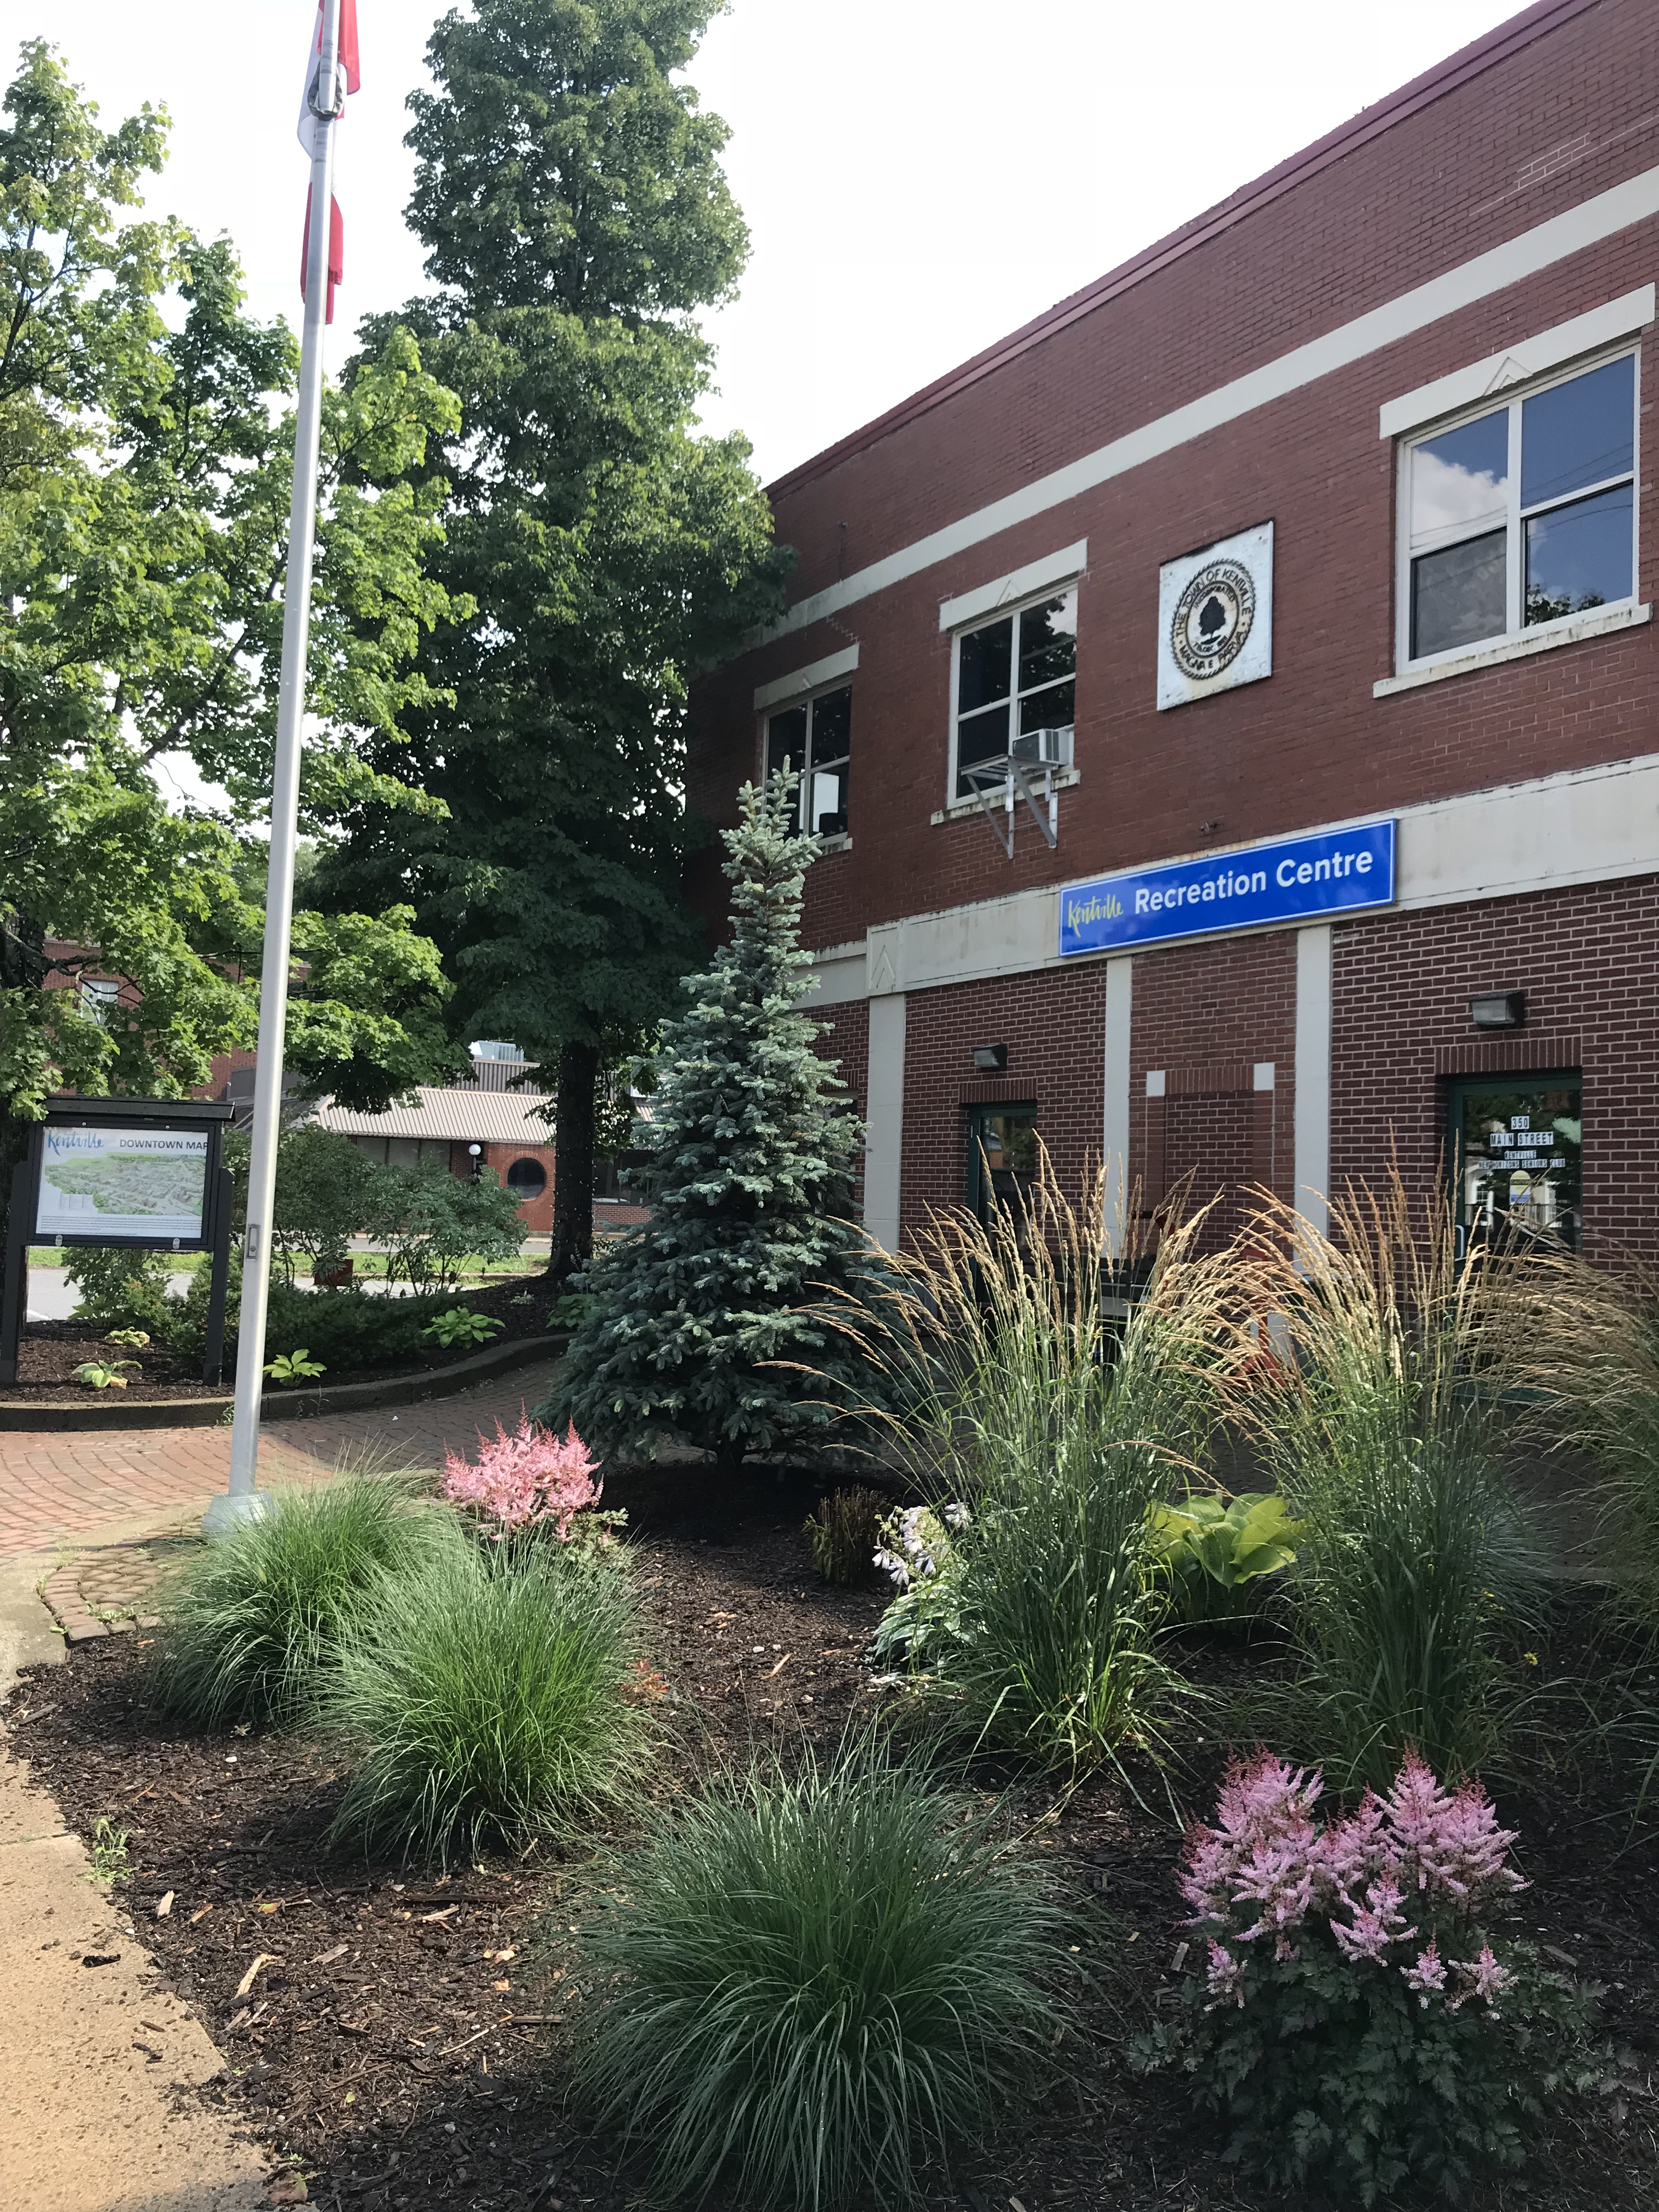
column 235, row 1509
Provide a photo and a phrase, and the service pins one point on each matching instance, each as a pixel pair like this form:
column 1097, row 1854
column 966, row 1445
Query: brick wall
column 845, row 1038
column 1540, row 131
column 1586, row 959
column 1204, row 1015
column 1054, row 1027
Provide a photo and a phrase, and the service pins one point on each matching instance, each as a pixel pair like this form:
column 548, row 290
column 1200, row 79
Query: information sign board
column 105, row 1183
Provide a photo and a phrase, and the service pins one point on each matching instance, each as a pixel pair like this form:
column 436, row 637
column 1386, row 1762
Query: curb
column 289, row 1405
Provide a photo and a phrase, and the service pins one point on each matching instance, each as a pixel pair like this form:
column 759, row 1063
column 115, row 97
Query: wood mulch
column 400, row 2037
column 50, row 1351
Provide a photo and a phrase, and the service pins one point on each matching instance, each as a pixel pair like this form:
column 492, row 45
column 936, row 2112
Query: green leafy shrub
column 925, row 1623
column 1219, row 1553
column 1057, row 1425
column 431, row 1222
column 123, row 1288
column 1351, row 2016
column 486, row 1696
column 460, row 1325
column 321, row 1200
column 1383, row 1423
column 844, row 1534
column 814, row 1985
column 251, row 1625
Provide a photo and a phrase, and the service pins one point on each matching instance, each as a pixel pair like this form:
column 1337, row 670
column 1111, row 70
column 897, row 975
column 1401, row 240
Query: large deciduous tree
column 145, row 466
column 570, row 194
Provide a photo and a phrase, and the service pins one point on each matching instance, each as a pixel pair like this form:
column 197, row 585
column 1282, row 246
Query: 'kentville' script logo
column 1212, row 619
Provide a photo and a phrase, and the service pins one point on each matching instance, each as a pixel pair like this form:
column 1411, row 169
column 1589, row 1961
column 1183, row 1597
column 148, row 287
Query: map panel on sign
column 110, row 1185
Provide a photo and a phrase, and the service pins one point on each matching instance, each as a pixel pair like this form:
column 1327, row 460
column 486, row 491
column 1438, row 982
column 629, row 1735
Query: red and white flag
column 349, row 77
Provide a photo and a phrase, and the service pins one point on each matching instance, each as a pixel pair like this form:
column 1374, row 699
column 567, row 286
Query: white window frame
column 782, row 704
column 1518, row 634
column 994, row 612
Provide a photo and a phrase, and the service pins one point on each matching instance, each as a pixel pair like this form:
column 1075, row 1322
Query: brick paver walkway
column 60, row 1487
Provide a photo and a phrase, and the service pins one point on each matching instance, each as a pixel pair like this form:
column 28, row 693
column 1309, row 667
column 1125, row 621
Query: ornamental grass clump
column 1353, row 2010
column 1373, row 1388
column 812, row 1986
column 1018, row 1393
column 250, row 1625
column 488, row 1698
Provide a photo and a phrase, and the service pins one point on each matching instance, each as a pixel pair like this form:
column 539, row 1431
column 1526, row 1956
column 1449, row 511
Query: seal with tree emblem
column 1212, row 619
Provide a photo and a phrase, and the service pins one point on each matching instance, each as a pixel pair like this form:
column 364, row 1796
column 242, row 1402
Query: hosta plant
column 1217, row 1551
column 460, row 1325
column 295, row 1366
column 103, row 1374
column 918, row 1550
column 1353, row 2008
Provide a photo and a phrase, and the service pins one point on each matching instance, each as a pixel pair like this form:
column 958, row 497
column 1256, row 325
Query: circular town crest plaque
column 1212, row 619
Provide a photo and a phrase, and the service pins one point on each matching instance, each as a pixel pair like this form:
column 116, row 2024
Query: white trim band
column 1572, row 631
column 1466, row 387
column 802, row 680
column 1057, row 568
column 1636, row 200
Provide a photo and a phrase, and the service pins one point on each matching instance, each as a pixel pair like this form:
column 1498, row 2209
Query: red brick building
column 1231, row 699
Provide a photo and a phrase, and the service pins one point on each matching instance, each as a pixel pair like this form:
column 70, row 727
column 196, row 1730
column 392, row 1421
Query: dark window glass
column 527, row 1177
column 986, row 665
column 832, row 725
column 1519, row 1164
column 1003, row 1159
column 786, row 740
column 1460, row 481
column 826, row 801
column 1047, row 641
column 1457, row 596
column 1580, row 433
column 980, row 738
column 1051, row 709
column 1579, row 556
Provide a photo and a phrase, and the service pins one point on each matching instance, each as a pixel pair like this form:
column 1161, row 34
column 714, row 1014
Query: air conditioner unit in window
column 1044, row 748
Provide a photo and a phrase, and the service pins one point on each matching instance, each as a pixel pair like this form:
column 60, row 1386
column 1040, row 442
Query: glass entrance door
column 1515, row 1145
column 1002, row 1156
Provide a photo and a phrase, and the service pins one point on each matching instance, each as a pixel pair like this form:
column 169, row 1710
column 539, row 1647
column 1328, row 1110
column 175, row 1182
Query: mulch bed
column 402, row 2046
column 51, row 1351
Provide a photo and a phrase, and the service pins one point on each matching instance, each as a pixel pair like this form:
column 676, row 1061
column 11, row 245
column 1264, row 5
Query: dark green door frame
column 1514, row 1084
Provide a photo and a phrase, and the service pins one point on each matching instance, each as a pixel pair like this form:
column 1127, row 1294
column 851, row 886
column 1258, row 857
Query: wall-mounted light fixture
column 1498, row 1010
column 477, row 1152
column 989, row 1058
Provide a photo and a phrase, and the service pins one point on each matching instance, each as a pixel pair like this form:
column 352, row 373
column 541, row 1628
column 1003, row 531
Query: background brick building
column 1448, row 302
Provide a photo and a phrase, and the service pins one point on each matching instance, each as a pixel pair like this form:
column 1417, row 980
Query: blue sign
column 1294, row 879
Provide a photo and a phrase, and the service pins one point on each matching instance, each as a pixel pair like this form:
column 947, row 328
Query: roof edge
column 1458, row 68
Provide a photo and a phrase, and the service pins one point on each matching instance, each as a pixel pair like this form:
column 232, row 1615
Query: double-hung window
column 815, row 738
column 1521, row 515
column 1012, row 677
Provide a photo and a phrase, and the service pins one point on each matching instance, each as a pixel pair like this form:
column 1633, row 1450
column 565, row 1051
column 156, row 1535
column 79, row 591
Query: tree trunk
column 573, row 1161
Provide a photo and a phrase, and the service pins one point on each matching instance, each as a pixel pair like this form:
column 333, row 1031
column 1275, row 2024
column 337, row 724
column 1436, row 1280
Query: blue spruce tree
column 703, row 1330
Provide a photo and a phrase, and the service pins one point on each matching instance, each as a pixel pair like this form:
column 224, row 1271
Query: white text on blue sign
column 1293, row 879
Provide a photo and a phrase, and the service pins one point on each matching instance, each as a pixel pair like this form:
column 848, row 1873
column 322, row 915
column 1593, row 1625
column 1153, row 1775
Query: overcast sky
column 919, row 175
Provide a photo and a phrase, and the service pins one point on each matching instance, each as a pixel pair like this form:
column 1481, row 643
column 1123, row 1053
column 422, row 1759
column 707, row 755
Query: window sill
column 1599, row 623
column 843, row 843
column 963, row 810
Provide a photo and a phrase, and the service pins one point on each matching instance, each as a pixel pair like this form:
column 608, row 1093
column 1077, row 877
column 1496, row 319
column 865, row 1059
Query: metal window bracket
column 995, row 780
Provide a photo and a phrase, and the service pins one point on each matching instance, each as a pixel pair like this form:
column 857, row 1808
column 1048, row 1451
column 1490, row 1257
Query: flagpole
column 244, row 1500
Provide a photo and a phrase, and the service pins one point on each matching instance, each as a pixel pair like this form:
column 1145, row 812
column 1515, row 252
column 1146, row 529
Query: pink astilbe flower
column 1224, row 1976
column 1487, row 1979
column 1449, row 1847
column 1354, row 1851
column 528, row 1478
column 1376, row 1923
column 1264, row 1837
column 1427, row 1975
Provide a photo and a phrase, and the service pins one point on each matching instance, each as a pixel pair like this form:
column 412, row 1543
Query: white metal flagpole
column 244, row 1500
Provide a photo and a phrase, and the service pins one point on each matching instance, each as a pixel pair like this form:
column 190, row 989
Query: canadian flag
column 313, row 98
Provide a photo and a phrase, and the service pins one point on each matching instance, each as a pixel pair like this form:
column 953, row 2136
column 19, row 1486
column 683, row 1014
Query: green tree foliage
column 145, row 467
column 569, row 190
column 704, row 1330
